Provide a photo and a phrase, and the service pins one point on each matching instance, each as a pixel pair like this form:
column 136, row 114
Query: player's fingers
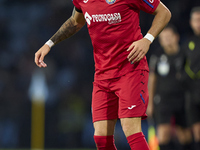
column 131, row 46
column 133, row 51
column 41, row 58
column 43, row 64
column 135, row 54
column 130, row 54
column 39, row 65
column 139, row 57
column 37, row 56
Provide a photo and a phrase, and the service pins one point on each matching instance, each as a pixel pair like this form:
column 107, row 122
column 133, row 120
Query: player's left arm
column 138, row 49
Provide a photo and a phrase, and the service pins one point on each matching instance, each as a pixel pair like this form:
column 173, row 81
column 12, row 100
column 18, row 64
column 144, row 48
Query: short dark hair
column 194, row 9
column 171, row 26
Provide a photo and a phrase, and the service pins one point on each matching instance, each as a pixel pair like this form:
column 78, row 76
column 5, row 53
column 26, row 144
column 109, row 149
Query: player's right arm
column 69, row 28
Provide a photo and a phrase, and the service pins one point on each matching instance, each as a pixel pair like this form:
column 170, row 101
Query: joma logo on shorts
column 110, row 18
column 133, row 106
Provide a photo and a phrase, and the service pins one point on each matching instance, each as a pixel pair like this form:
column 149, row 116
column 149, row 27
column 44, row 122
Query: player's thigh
column 131, row 125
column 104, row 127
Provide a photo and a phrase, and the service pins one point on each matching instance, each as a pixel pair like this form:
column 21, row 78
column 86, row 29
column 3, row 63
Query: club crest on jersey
column 110, row 1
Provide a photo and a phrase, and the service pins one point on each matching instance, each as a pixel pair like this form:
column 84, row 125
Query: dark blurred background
column 25, row 25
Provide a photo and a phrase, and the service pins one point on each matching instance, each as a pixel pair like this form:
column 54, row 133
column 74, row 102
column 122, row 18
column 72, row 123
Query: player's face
column 195, row 23
column 168, row 39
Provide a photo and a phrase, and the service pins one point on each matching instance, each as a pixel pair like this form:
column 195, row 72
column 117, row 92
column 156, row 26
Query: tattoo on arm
column 69, row 28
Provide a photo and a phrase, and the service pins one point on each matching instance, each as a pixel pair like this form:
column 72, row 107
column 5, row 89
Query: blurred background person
column 192, row 69
column 166, row 92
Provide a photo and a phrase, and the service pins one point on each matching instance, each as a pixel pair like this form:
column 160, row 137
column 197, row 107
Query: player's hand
column 138, row 50
column 40, row 54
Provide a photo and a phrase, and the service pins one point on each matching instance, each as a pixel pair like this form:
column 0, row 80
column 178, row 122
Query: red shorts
column 123, row 97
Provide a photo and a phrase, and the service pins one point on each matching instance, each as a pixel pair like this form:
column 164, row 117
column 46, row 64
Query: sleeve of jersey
column 149, row 6
column 76, row 4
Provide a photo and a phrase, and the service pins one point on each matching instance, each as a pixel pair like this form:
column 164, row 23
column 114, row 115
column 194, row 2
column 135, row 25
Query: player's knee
column 104, row 127
column 131, row 126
